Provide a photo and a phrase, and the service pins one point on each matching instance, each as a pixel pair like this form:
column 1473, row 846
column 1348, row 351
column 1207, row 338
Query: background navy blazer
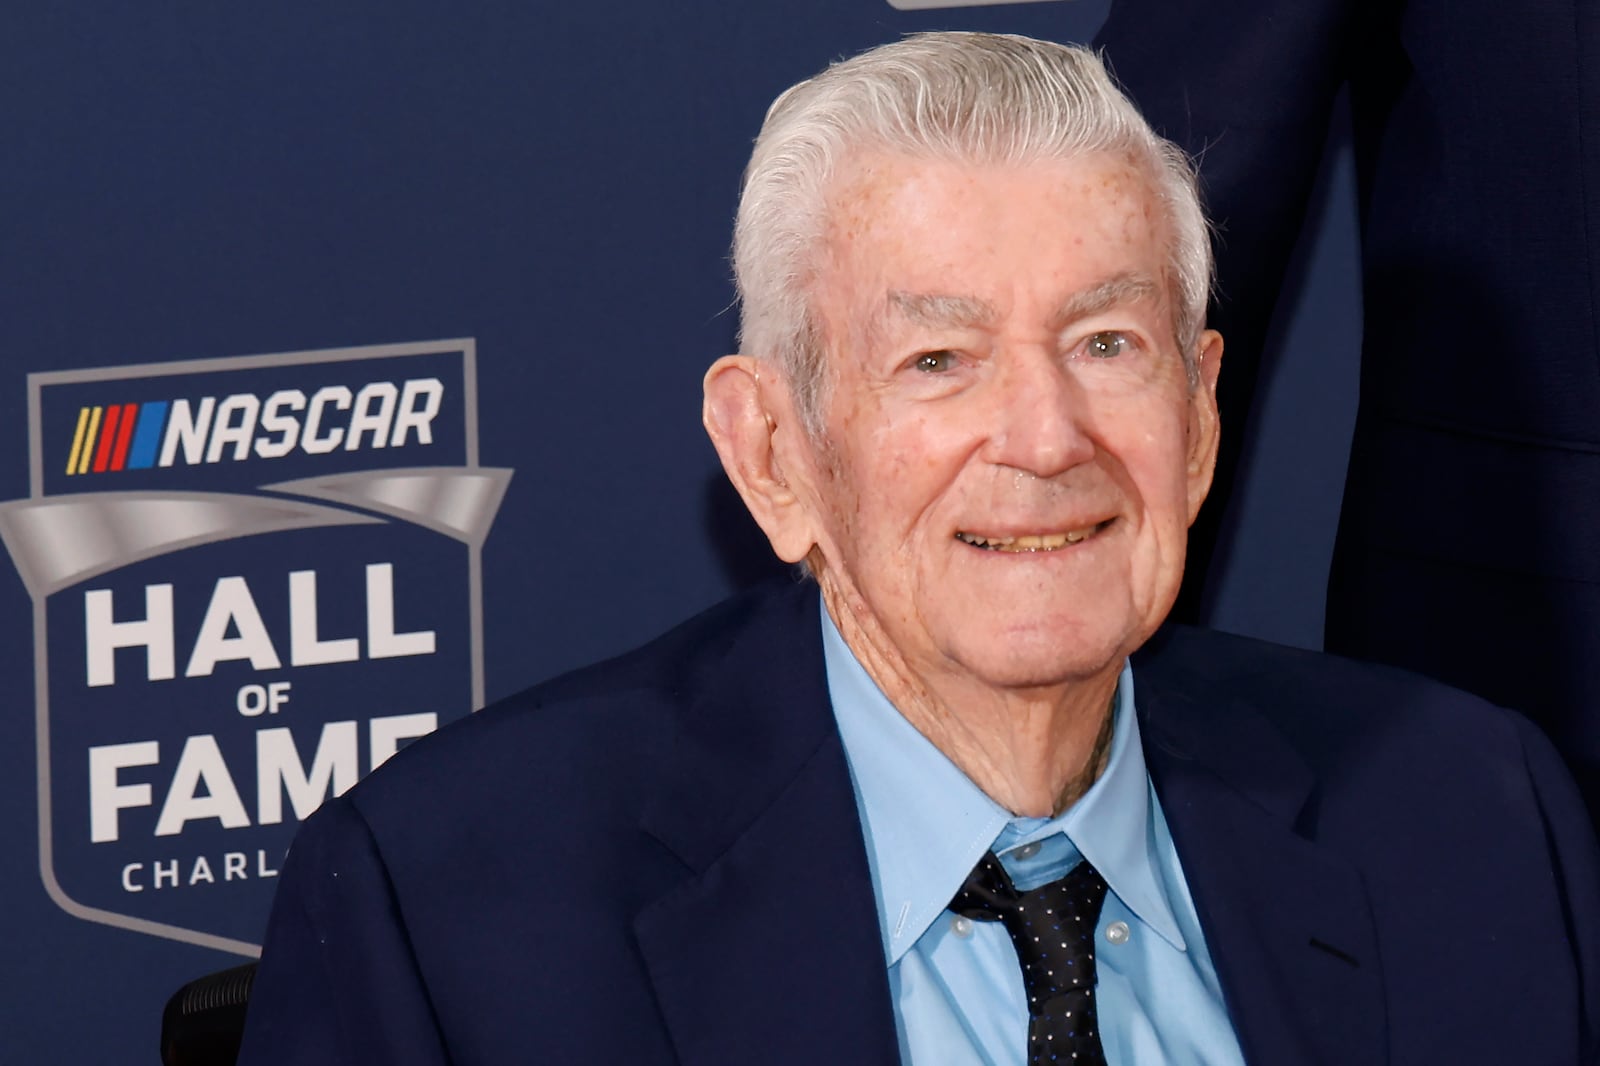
column 1469, row 536
column 658, row 860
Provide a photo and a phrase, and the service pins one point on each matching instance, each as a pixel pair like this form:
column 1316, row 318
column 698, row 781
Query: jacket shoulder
column 1314, row 698
column 1393, row 756
column 612, row 722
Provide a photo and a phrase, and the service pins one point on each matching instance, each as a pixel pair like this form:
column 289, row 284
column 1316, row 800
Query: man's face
column 1011, row 454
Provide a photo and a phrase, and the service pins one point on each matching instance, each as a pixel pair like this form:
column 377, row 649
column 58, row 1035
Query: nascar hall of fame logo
column 253, row 581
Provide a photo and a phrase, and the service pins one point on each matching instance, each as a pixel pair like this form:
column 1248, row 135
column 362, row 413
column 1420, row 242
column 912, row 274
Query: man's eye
column 936, row 362
column 1107, row 345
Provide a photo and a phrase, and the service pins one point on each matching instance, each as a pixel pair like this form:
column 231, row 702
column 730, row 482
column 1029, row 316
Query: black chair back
column 204, row 1019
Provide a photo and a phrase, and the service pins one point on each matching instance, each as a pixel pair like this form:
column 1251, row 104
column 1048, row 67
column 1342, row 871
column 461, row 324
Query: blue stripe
column 147, row 436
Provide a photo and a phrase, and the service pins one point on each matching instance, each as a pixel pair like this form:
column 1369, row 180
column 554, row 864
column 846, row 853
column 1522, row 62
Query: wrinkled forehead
column 923, row 241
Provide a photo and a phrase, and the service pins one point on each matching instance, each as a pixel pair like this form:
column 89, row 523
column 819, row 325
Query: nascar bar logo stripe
column 118, row 437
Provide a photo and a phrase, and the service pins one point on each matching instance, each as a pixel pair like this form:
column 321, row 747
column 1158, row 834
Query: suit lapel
column 1287, row 922
column 769, row 951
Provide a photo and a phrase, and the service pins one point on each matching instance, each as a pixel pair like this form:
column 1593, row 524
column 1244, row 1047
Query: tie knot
column 989, row 894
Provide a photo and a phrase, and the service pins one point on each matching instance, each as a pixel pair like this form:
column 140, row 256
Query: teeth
column 1029, row 543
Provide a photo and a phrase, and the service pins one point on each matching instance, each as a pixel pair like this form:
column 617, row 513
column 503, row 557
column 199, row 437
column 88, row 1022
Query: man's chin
column 1041, row 664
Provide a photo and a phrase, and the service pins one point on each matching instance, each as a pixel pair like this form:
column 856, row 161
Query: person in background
column 1469, row 537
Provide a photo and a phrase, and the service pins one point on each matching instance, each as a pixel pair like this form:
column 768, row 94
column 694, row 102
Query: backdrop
column 349, row 376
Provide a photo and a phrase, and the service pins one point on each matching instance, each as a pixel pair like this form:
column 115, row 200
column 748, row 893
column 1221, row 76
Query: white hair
column 971, row 97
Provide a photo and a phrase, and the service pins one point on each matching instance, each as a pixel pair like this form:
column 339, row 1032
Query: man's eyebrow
column 1118, row 289
column 926, row 309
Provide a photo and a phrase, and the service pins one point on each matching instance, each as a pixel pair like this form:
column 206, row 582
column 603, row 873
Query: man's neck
column 1034, row 751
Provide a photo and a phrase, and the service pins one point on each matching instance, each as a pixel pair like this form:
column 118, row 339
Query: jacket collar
column 1287, row 921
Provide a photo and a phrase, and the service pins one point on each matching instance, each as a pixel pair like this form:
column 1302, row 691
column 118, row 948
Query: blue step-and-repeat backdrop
column 350, row 361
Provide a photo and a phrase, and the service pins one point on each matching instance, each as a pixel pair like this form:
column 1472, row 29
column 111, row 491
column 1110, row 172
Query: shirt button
column 961, row 926
column 1117, row 932
column 1027, row 851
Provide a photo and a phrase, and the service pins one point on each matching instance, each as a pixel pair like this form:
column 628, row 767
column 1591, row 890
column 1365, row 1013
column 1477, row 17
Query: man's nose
column 1041, row 422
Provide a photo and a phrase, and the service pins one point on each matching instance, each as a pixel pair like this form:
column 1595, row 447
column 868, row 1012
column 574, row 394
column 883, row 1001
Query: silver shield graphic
column 389, row 470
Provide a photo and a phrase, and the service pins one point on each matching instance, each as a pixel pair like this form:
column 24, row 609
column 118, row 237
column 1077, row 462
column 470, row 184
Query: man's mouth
column 1032, row 542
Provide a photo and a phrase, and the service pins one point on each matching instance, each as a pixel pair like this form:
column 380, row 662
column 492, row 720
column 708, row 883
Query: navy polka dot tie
column 1053, row 928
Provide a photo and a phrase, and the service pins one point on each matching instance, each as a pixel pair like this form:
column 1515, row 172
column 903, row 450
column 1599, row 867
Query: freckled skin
column 1003, row 424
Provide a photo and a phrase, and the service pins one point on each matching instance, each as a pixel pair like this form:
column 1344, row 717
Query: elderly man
column 923, row 810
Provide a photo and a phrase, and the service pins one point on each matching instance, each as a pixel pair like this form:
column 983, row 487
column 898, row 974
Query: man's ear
column 1203, row 431
column 758, row 437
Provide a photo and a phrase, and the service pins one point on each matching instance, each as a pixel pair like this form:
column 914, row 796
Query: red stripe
column 108, row 437
column 130, row 412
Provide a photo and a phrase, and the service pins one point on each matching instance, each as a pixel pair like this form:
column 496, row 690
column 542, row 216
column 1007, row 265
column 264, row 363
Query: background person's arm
column 1248, row 87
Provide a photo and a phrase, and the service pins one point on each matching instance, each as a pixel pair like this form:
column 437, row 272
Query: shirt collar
column 926, row 823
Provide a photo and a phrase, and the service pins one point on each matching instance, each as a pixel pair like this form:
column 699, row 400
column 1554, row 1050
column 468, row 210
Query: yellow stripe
column 88, row 441
column 77, row 439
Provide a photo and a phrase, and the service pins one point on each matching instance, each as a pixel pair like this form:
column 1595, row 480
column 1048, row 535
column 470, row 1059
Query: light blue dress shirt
column 956, row 983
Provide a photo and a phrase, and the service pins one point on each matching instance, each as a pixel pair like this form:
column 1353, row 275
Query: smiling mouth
column 1032, row 542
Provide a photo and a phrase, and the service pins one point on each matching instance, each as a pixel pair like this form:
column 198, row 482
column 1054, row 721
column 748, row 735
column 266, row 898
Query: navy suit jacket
column 659, row 860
